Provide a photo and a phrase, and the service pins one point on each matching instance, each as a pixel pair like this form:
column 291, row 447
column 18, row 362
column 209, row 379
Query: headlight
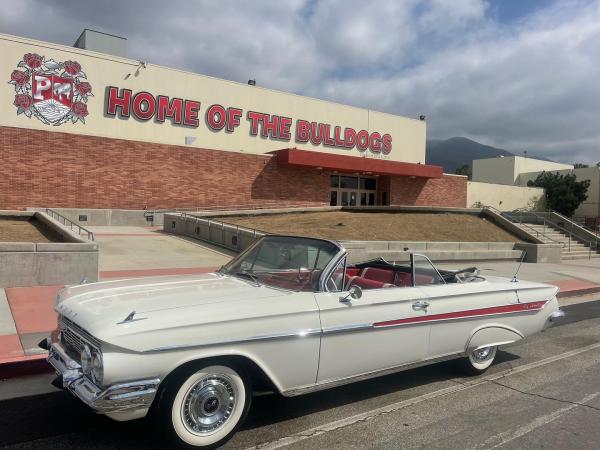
column 91, row 364
column 97, row 369
column 86, row 359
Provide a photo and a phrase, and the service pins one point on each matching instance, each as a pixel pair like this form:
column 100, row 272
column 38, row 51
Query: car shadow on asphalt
column 58, row 420
column 270, row 409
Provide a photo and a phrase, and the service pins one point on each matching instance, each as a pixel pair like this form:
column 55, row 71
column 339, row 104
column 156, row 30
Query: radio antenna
column 514, row 278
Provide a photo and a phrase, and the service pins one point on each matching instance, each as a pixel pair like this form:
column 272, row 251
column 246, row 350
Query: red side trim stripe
column 517, row 307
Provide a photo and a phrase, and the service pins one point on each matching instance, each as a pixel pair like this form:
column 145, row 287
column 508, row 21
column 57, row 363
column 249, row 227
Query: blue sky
column 521, row 75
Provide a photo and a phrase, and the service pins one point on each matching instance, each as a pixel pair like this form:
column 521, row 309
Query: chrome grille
column 74, row 338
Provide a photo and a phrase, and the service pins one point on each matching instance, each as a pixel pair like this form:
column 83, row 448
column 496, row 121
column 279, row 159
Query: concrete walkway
column 27, row 315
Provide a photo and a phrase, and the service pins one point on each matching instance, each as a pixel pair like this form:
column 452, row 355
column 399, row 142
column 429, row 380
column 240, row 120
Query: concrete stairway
column 550, row 235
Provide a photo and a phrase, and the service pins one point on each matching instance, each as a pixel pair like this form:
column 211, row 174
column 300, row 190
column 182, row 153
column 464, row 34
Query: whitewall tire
column 204, row 407
column 479, row 360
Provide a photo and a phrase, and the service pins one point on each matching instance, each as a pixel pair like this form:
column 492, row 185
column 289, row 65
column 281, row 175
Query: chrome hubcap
column 208, row 404
column 482, row 354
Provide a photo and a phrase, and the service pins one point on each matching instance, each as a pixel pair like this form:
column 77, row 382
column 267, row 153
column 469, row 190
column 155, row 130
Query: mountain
column 457, row 151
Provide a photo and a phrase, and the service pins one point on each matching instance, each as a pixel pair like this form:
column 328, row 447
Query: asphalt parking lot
column 543, row 392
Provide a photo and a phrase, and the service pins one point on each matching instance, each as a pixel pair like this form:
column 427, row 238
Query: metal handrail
column 66, row 221
column 230, row 207
column 570, row 233
column 529, row 228
column 222, row 224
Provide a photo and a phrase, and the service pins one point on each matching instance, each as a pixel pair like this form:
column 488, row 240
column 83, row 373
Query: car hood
column 160, row 302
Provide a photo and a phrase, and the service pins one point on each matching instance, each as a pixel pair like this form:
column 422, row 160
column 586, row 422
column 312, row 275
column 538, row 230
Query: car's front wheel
column 204, row 407
column 479, row 360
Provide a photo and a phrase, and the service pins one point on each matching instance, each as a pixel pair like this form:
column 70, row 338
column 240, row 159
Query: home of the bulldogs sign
column 144, row 106
column 52, row 92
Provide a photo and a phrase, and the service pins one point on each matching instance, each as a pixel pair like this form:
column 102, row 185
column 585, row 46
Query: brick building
column 84, row 129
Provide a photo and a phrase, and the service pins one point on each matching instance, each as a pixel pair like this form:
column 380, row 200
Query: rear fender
column 492, row 335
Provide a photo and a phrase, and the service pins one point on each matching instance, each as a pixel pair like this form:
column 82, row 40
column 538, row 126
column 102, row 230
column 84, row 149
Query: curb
column 578, row 292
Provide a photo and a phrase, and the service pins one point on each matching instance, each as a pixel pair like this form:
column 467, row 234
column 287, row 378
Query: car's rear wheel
column 479, row 360
column 204, row 407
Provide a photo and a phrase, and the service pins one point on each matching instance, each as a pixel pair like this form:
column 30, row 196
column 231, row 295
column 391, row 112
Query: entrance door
column 352, row 191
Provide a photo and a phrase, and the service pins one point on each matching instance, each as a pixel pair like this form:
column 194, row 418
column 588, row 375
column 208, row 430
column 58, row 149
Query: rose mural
column 53, row 92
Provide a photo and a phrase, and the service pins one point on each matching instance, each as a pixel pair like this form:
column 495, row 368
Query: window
column 285, row 262
column 349, row 182
column 335, row 181
column 335, row 283
column 425, row 273
column 369, row 184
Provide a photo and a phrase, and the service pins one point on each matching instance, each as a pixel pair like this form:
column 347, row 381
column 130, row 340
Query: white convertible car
column 287, row 315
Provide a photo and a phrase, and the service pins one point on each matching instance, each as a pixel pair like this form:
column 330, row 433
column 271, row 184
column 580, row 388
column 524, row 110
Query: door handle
column 421, row 304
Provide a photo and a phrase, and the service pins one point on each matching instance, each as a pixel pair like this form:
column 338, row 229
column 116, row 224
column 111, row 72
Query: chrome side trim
column 328, row 384
column 297, row 334
column 348, row 328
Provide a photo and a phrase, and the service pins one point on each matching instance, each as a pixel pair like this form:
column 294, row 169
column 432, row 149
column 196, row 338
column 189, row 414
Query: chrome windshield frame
column 326, row 270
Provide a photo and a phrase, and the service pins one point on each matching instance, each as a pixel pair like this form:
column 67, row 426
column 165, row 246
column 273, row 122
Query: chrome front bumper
column 134, row 395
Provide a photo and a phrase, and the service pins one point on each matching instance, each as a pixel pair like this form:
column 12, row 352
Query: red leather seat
column 352, row 271
column 379, row 274
column 366, row 283
column 402, row 279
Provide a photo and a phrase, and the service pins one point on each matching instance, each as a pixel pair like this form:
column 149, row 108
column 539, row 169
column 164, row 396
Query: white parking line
column 510, row 435
column 368, row 415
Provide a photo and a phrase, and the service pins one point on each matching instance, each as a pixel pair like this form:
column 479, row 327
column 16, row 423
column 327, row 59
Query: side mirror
column 354, row 293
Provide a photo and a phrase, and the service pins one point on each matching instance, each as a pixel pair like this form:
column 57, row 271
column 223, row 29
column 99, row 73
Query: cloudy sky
column 518, row 74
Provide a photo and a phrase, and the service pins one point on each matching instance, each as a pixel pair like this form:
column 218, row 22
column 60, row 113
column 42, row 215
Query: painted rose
column 83, row 88
column 20, row 78
column 33, row 60
column 79, row 109
column 72, row 67
column 23, row 101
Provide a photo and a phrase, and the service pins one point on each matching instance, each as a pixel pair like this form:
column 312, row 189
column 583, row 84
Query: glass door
column 352, row 191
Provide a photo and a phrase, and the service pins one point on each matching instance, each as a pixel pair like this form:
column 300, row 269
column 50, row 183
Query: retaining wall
column 47, row 263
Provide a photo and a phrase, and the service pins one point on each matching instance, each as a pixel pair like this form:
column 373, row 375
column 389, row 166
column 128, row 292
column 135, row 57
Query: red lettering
column 172, row 109
column 254, row 118
column 233, row 118
column 387, row 144
column 216, row 117
column 270, row 126
column 302, row 131
column 190, row 116
column 316, row 133
column 375, row 142
column 349, row 138
column 362, row 140
column 285, row 124
column 327, row 139
column 337, row 133
column 143, row 105
column 114, row 102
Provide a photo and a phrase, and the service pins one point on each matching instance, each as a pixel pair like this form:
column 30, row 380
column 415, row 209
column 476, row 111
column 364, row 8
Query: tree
column 465, row 169
column 563, row 192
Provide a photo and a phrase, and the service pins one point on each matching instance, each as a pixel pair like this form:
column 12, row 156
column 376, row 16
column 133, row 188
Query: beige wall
column 408, row 135
column 494, row 170
column 502, row 197
column 509, row 170
column 590, row 207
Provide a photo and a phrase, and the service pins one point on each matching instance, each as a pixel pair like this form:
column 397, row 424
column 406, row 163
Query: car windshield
column 293, row 263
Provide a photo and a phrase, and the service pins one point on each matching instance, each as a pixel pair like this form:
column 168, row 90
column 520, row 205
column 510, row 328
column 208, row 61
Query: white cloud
column 529, row 84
